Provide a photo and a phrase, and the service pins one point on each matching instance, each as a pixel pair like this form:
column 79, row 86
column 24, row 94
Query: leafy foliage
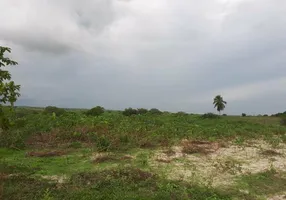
column 96, row 111
column 130, row 111
column 243, row 115
column 210, row 116
column 155, row 111
column 219, row 103
column 54, row 109
column 9, row 92
column 142, row 111
column 283, row 121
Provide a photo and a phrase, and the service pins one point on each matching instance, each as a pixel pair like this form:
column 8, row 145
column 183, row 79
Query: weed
column 264, row 183
column 75, row 145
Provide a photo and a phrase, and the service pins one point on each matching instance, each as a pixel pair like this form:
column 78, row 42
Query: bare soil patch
column 196, row 146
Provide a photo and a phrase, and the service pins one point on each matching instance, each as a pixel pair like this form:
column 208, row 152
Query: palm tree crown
column 219, row 103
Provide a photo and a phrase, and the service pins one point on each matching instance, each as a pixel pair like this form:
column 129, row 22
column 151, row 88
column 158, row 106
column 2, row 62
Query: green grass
column 111, row 177
column 118, row 183
column 113, row 131
column 263, row 184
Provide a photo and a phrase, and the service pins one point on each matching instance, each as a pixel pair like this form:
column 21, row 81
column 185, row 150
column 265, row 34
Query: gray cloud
column 173, row 55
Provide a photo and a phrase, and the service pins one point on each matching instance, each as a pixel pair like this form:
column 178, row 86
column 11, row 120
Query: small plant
column 96, row 111
column 130, row 111
column 103, row 144
column 47, row 195
column 53, row 110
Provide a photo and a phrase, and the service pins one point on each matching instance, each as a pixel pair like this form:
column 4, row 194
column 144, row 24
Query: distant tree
column 54, row 110
column 155, row 111
column 130, row 111
column 210, row 116
column 219, row 103
column 243, row 115
column 96, row 111
column 142, row 111
column 9, row 92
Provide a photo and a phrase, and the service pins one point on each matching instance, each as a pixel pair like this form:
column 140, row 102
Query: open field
column 150, row 156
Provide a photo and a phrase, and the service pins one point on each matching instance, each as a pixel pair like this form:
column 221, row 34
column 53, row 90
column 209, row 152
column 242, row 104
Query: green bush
column 142, row 111
column 283, row 121
column 103, row 144
column 130, row 111
column 243, row 115
column 181, row 113
column 96, row 111
column 155, row 111
column 210, row 116
column 54, row 109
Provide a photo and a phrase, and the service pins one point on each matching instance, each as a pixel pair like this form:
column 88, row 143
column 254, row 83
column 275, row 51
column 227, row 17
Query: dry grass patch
column 195, row 146
column 101, row 158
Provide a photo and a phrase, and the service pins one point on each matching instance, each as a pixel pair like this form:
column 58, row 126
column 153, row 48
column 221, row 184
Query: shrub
column 155, row 111
column 210, row 116
column 53, row 109
column 103, row 143
column 130, row 111
column 224, row 115
column 243, row 115
column 142, row 111
column 181, row 113
column 96, row 111
column 265, row 115
column 283, row 121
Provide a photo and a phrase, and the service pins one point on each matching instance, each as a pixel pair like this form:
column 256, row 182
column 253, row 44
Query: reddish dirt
column 195, row 146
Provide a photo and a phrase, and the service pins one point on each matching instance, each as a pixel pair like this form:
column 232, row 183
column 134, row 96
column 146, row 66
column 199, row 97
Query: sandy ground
column 220, row 167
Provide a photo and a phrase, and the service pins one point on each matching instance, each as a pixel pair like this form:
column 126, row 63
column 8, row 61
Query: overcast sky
column 175, row 55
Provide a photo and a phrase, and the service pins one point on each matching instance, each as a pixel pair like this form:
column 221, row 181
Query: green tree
column 9, row 92
column 219, row 103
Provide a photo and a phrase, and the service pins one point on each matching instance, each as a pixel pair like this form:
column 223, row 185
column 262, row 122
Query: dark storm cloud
column 173, row 55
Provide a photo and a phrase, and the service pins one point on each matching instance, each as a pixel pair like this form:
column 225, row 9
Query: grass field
column 150, row 156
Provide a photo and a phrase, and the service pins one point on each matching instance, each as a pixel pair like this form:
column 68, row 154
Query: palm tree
column 219, row 103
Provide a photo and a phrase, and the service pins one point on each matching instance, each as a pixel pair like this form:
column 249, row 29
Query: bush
column 265, row 115
column 53, row 109
column 210, row 116
column 130, row 111
column 181, row 113
column 142, row 111
column 155, row 111
column 96, row 111
column 224, row 115
column 243, row 115
column 283, row 121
